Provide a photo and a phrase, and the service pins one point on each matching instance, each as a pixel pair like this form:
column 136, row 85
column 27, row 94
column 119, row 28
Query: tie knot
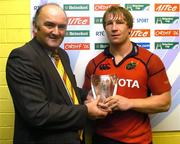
column 55, row 55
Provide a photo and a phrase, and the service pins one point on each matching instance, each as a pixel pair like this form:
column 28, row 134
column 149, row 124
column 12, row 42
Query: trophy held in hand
column 103, row 86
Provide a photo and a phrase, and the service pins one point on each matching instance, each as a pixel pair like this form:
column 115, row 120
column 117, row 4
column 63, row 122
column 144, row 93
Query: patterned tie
column 65, row 78
column 67, row 82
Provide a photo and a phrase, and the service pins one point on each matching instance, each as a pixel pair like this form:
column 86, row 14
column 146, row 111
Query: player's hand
column 118, row 102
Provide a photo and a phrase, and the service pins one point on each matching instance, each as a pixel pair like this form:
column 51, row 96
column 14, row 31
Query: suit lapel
column 50, row 68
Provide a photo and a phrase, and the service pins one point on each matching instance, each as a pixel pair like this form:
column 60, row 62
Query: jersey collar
column 132, row 53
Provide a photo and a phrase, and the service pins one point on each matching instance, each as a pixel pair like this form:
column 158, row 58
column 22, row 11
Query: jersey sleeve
column 158, row 81
column 87, row 77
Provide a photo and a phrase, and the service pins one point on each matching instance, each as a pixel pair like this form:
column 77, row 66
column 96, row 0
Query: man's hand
column 89, row 97
column 97, row 110
column 118, row 102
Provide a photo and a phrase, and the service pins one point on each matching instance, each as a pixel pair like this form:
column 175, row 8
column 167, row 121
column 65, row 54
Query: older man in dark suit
column 45, row 111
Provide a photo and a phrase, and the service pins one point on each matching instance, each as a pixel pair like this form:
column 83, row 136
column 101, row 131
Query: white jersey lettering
column 129, row 83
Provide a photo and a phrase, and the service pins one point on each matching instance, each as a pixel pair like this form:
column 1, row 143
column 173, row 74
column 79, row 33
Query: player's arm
column 152, row 104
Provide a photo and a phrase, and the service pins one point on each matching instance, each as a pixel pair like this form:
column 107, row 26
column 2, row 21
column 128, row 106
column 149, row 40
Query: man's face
column 116, row 28
column 51, row 26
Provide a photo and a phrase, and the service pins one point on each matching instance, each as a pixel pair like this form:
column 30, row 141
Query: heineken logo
column 76, row 7
column 137, row 7
column 77, row 33
column 166, row 45
column 166, row 20
column 98, row 20
column 101, row 45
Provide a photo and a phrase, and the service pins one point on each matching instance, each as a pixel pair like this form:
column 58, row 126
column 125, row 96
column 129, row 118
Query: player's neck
column 121, row 50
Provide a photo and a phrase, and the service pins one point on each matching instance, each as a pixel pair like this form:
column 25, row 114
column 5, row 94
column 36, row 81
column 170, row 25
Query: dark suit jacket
column 43, row 110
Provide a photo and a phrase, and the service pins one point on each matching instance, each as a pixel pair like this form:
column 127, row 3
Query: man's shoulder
column 23, row 47
column 98, row 58
column 19, row 50
column 143, row 51
column 145, row 55
column 152, row 61
column 26, row 51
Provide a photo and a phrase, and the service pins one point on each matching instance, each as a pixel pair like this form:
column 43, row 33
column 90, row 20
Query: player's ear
column 129, row 31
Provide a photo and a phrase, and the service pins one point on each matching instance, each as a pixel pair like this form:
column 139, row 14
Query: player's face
column 51, row 27
column 116, row 28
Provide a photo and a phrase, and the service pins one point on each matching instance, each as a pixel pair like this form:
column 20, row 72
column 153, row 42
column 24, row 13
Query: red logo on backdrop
column 102, row 7
column 140, row 33
column 166, row 7
column 78, row 20
column 76, row 46
column 166, row 32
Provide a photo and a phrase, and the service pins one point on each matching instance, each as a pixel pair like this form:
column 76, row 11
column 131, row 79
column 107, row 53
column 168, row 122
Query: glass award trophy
column 103, row 86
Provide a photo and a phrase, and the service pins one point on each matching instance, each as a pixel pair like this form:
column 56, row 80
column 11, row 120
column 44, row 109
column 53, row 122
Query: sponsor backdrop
column 156, row 28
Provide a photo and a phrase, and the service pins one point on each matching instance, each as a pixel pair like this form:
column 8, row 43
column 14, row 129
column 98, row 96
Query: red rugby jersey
column 139, row 74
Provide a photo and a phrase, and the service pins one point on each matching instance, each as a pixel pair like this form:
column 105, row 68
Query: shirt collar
column 132, row 53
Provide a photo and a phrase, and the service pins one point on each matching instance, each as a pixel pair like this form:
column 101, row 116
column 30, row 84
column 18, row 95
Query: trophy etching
column 103, row 86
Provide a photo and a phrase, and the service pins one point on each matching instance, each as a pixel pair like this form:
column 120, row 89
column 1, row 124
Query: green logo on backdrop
column 76, row 7
column 166, row 20
column 98, row 20
column 77, row 33
column 99, row 46
column 137, row 7
column 166, row 45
